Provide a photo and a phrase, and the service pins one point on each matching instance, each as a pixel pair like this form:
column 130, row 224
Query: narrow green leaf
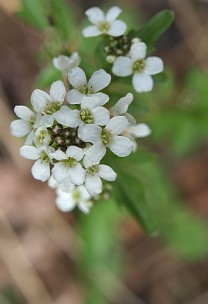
column 152, row 30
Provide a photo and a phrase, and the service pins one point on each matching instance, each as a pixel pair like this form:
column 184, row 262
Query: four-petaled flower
column 104, row 24
column 139, row 66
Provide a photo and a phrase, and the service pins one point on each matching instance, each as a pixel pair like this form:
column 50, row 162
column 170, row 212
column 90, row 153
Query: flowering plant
column 77, row 132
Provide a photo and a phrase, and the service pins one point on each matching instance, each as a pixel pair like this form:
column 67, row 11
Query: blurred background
column 53, row 258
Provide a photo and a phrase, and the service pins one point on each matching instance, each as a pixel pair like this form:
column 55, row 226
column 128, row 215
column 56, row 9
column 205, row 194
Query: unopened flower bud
column 110, row 58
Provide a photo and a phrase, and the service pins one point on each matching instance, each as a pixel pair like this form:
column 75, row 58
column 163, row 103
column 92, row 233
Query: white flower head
column 141, row 68
column 90, row 113
column 77, row 197
column 94, row 173
column 106, row 137
column 68, row 166
column 65, row 63
column 41, row 168
column 97, row 82
column 104, row 24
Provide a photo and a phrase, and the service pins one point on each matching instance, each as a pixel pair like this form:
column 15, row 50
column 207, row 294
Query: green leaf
column 63, row 17
column 156, row 26
column 35, row 13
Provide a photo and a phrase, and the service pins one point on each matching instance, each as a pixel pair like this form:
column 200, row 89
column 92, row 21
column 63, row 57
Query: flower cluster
column 69, row 133
column 127, row 55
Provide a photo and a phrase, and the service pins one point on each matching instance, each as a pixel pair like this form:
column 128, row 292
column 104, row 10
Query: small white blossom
column 65, row 63
column 78, row 197
column 98, row 81
column 68, row 166
column 89, row 113
column 94, row 173
column 42, row 137
column 139, row 66
column 107, row 137
column 121, row 108
column 41, row 168
column 104, row 24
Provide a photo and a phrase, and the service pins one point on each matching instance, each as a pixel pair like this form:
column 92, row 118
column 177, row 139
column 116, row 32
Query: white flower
column 41, row 168
column 77, row 197
column 64, row 63
column 42, row 137
column 90, row 113
column 104, row 24
column 68, row 166
column 107, row 137
column 137, row 131
column 24, row 125
column 47, row 104
column 67, row 186
column 139, row 66
column 98, row 81
column 94, row 173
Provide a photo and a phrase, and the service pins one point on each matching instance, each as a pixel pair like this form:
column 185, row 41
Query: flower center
column 44, row 157
column 138, row 65
column 106, row 137
column 52, row 107
column 104, row 26
column 92, row 170
column 69, row 162
column 86, row 116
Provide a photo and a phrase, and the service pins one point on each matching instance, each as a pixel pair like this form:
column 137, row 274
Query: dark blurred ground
column 36, row 259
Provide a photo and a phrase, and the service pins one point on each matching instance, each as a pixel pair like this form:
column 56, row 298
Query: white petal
column 60, row 173
column 101, row 116
column 19, row 128
column 90, row 102
column 138, row 51
column 107, row 173
column 46, row 120
column 117, row 28
column 90, row 133
column 62, row 115
column 58, row 155
column 71, row 118
column 99, row 80
column 29, row 138
column 121, row 146
column 24, row 113
column 122, row 105
column 95, row 153
column 52, row 183
column 113, row 13
column 130, row 119
column 122, row 66
column 65, row 203
column 84, row 193
column 75, row 152
column 41, row 171
column 93, row 184
column 142, row 82
column 103, row 98
column 58, row 91
column 30, row 152
column 95, row 15
column 117, row 125
column 153, row 65
column 39, row 100
column 140, row 130
column 77, row 174
column 77, row 78
column 74, row 96
column 84, row 206
column 91, row 31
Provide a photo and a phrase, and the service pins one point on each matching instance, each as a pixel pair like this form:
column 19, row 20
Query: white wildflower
column 98, row 81
column 41, row 168
column 78, row 197
column 107, row 137
column 121, row 108
column 68, row 166
column 139, row 66
column 65, row 63
column 104, row 24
